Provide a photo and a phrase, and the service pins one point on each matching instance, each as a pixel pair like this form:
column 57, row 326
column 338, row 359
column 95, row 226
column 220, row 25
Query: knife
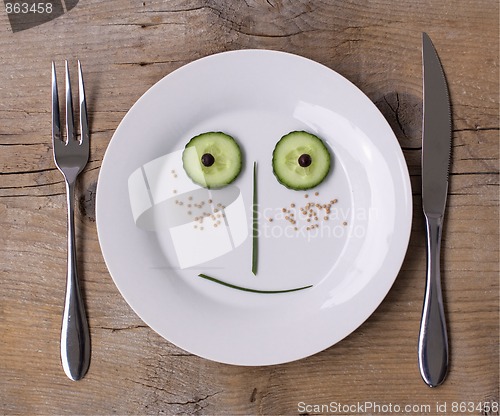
column 436, row 148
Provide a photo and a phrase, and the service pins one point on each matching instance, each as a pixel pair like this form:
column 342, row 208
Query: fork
column 71, row 156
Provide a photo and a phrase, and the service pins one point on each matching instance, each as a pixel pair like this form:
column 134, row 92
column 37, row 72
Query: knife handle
column 433, row 338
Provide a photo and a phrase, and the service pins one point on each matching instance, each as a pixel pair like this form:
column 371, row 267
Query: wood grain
column 128, row 45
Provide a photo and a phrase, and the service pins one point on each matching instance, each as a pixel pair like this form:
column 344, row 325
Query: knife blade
column 436, row 149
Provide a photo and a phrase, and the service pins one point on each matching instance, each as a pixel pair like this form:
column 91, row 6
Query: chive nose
column 255, row 222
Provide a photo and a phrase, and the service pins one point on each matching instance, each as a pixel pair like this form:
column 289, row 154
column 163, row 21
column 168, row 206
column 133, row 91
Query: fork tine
column 56, row 121
column 70, row 126
column 84, row 123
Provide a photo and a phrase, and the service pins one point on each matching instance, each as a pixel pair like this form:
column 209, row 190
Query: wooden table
column 126, row 46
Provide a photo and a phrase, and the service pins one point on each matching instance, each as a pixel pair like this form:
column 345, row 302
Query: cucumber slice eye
column 212, row 160
column 301, row 160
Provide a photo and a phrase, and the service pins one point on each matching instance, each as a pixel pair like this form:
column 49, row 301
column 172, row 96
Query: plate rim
column 405, row 178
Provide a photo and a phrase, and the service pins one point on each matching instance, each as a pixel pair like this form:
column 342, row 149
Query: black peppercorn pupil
column 207, row 159
column 305, row 160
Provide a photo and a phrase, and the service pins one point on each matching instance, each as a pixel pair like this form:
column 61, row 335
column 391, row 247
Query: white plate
column 155, row 254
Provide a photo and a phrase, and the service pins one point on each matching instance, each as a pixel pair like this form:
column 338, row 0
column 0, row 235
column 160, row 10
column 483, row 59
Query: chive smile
column 213, row 279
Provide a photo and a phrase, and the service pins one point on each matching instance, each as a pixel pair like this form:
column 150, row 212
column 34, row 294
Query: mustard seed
column 306, row 196
column 316, row 193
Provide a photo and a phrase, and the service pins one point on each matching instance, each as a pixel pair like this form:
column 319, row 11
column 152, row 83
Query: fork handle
column 433, row 338
column 75, row 338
